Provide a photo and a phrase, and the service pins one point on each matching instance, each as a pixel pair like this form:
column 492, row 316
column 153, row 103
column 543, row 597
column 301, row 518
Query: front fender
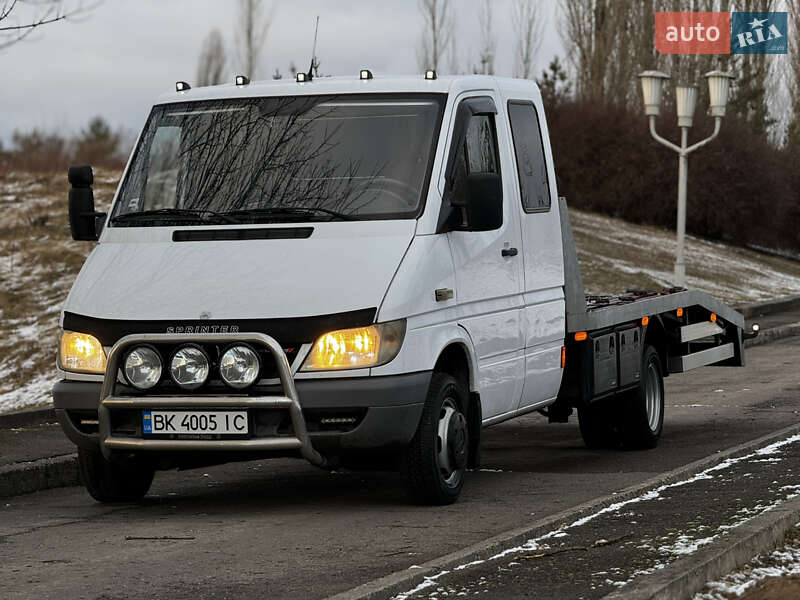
column 423, row 346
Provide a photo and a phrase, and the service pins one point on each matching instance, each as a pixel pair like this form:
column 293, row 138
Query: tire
column 596, row 422
column 107, row 482
column 642, row 418
column 434, row 463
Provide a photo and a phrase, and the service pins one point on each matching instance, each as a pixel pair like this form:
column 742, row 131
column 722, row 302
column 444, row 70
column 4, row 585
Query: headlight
column 239, row 366
column 356, row 348
column 189, row 367
column 81, row 352
column 142, row 367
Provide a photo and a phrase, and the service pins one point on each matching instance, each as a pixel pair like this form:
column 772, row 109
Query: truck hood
column 141, row 274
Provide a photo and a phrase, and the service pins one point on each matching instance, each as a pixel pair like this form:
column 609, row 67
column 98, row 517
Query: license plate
column 193, row 422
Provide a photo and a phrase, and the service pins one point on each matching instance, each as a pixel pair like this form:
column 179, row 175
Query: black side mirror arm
column 82, row 215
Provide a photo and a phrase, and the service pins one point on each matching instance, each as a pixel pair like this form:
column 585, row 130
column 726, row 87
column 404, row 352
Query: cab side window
column 529, row 152
column 480, row 146
column 477, row 155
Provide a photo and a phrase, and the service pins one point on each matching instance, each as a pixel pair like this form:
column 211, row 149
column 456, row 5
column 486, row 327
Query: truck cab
column 358, row 271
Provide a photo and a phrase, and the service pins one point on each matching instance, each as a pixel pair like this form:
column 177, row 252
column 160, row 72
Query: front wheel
column 434, row 463
column 123, row 481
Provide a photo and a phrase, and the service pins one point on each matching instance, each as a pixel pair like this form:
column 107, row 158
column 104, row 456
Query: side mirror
column 82, row 216
column 476, row 204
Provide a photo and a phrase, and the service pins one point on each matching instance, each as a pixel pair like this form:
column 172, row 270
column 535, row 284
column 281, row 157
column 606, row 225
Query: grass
column 616, row 256
column 39, row 261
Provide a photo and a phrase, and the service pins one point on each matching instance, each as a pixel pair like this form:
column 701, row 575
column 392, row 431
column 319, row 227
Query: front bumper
column 389, row 410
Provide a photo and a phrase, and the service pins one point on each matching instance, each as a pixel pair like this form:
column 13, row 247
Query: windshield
column 302, row 158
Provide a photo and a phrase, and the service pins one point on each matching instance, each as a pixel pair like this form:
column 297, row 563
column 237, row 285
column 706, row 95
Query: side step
column 681, row 364
column 698, row 331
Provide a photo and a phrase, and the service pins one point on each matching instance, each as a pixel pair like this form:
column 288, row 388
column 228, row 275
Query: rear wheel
column 123, row 481
column 434, row 463
column 642, row 418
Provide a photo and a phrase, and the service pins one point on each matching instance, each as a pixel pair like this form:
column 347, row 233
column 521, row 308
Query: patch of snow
column 736, row 584
column 33, row 393
column 684, row 544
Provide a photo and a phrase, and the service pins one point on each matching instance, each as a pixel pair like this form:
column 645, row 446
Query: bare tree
column 251, row 33
column 15, row 27
column 454, row 65
column 488, row 41
column 436, row 34
column 594, row 34
column 211, row 63
column 528, row 26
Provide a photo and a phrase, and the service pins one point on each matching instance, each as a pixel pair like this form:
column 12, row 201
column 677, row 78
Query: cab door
column 488, row 265
column 543, row 314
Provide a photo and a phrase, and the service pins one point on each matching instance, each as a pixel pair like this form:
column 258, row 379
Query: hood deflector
column 288, row 331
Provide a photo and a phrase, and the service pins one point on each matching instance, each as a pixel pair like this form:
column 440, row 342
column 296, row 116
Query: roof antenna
column 314, row 64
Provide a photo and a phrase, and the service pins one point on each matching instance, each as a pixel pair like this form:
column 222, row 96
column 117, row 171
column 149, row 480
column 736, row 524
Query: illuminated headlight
column 189, row 367
column 142, row 367
column 239, row 366
column 81, row 352
column 356, row 348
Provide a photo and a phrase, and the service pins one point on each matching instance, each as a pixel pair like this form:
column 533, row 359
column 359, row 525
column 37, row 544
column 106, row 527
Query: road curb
column 774, row 334
column 402, row 581
column 27, row 417
column 36, row 475
column 687, row 576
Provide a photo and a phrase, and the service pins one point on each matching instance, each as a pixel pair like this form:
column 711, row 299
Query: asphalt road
column 283, row 529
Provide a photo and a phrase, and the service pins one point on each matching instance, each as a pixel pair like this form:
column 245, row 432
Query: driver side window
column 478, row 154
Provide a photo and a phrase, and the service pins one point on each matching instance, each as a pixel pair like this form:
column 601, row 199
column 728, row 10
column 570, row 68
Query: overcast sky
column 118, row 59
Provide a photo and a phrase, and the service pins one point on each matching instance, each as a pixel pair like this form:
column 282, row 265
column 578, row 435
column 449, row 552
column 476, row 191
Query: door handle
column 509, row 252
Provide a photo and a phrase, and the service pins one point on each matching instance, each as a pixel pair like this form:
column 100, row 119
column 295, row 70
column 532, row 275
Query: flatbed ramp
column 693, row 328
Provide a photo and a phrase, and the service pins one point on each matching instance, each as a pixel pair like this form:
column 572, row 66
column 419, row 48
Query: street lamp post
column 685, row 100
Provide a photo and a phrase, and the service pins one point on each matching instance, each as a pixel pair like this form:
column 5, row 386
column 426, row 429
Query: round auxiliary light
column 142, row 367
column 239, row 366
column 189, row 367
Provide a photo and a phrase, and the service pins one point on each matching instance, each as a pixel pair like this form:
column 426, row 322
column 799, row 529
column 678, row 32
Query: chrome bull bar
column 289, row 401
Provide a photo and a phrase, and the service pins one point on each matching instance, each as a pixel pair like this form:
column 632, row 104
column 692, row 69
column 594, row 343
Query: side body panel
column 543, row 315
column 488, row 292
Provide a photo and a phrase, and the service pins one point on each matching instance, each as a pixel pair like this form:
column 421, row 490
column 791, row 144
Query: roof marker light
column 242, row 80
column 365, row 74
column 713, row 317
column 302, row 77
column 182, row 86
column 430, row 74
column 679, row 312
column 580, row 336
column 645, row 321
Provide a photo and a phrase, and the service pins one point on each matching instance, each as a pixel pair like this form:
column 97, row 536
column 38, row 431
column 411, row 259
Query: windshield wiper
column 159, row 214
column 288, row 211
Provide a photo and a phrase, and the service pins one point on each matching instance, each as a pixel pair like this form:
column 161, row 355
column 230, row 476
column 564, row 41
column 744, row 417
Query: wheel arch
column 456, row 359
column 655, row 334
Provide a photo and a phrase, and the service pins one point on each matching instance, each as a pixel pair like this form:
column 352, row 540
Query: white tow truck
column 359, row 271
